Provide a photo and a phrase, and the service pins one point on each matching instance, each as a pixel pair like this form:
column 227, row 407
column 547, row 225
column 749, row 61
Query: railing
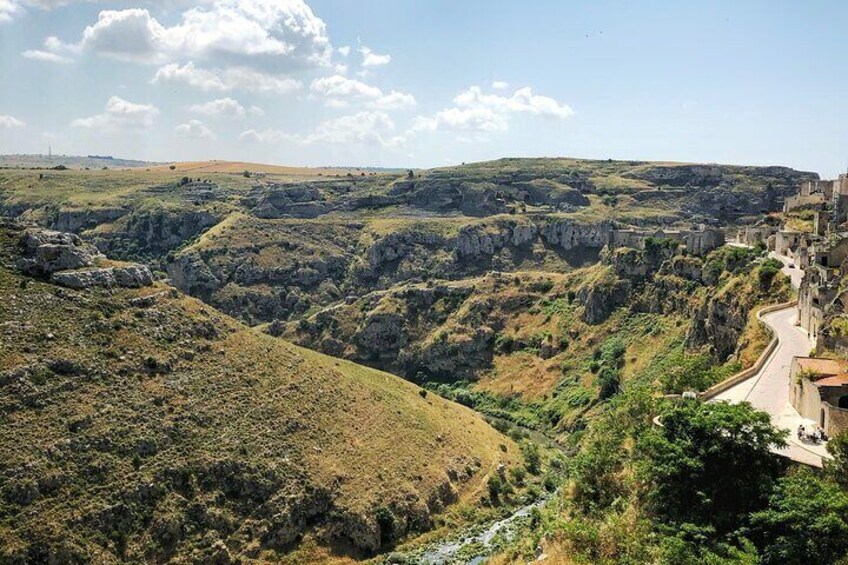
column 746, row 374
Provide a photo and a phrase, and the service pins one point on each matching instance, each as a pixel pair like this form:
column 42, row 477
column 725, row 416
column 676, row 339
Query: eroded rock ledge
column 65, row 260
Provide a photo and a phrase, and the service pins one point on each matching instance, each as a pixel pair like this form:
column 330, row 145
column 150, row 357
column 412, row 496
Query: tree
column 806, row 521
column 837, row 469
column 709, row 463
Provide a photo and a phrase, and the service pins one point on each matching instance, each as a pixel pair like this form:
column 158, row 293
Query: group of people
column 816, row 435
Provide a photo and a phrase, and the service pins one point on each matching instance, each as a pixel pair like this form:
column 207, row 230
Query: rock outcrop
column 67, row 261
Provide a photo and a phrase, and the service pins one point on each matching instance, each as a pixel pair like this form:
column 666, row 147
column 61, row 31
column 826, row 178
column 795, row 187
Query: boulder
column 47, row 251
column 85, row 278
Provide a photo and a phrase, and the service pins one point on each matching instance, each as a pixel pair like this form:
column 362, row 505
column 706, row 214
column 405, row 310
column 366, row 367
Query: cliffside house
column 819, row 392
column 755, row 235
column 698, row 241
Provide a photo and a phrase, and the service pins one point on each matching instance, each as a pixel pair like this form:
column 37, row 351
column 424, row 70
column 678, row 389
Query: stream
column 448, row 551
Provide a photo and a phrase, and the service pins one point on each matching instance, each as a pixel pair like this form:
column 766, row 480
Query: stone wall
column 799, row 201
column 835, row 419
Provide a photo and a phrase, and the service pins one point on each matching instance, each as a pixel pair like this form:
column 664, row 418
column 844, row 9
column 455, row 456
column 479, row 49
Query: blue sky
column 427, row 83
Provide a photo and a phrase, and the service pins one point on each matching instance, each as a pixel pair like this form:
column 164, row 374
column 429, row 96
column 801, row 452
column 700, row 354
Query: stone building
column 698, row 241
column 755, row 235
column 819, row 392
column 820, row 286
column 786, row 242
column 702, row 240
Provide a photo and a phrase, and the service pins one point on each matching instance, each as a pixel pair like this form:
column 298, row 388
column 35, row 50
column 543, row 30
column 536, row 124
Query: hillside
column 287, row 242
column 142, row 425
column 70, row 161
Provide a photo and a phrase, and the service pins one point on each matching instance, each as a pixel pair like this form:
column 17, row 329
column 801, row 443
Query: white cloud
column 127, row 35
column 337, row 86
column 53, row 51
column 8, row 10
column 394, row 100
column 341, row 91
column 371, row 59
column 194, row 129
column 500, row 85
column 10, row 122
column 256, row 111
column 120, row 115
column 264, row 136
column 278, row 35
column 220, row 107
column 368, row 127
column 344, row 51
column 233, row 78
column 477, row 111
column 45, row 56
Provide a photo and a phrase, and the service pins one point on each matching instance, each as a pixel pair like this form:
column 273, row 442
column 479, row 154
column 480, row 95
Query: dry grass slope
column 168, row 431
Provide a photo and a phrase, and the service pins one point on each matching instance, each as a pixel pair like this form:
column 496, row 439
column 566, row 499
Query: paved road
column 768, row 389
column 795, row 274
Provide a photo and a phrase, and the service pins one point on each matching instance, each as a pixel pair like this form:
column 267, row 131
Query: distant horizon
column 427, row 84
column 406, row 167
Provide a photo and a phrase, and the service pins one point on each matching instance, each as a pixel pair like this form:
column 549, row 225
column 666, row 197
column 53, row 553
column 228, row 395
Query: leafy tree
column 837, row 468
column 532, row 459
column 709, row 463
column 691, row 372
column 609, row 380
column 806, row 521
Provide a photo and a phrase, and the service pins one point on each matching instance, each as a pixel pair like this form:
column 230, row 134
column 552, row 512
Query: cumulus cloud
column 341, row 91
column 500, row 85
column 373, row 128
column 273, row 35
column 45, row 56
column 475, row 110
column 344, row 51
column 264, row 136
column 10, row 122
column 53, row 51
column 194, row 129
column 233, row 78
column 369, row 127
column 120, row 115
column 9, row 9
column 371, row 59
column 220, row 107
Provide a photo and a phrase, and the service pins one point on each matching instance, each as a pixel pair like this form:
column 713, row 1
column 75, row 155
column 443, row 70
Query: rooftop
column 835, row 380
column 822, row 367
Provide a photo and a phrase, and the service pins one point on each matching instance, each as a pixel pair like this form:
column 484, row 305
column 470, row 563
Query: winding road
column 768, row 389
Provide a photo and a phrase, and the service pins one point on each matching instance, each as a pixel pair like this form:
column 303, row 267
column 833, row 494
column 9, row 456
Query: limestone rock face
column 78, row 220
column 69, row 262
column 190, row 273
column 601, row 300
column 50, row 258
column 85, row 278
column 131, row 276
column 568, row 234
column 47, row 251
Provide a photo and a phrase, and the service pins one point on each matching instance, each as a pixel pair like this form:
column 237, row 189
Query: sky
column 421, row 83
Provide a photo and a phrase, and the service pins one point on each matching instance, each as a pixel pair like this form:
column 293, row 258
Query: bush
column 709, row 464
column 532, row 459
column 495, row 485
column 609, row 381
column 806, row 522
